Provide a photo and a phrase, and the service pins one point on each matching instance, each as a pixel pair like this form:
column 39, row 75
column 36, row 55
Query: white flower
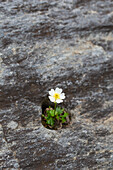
column 56, row 95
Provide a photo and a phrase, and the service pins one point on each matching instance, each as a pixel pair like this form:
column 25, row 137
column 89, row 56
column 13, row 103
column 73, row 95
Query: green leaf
column 57, row 117
column 47, row 111
column 65, row 114
column 52, row 113
column 52, row 122
column 56, row 113
column 59, row 110
column 62, row 109
column 44, row 116
column 63, row 120
column 49, row 122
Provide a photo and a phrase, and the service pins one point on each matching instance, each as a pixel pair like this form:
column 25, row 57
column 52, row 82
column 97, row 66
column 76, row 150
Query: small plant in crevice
column 55, row 117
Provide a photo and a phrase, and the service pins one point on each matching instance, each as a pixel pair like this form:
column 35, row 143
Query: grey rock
column 43, row 45
column 12, row 125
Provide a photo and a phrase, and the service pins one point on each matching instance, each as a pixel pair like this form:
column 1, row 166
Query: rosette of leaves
column 56, row 117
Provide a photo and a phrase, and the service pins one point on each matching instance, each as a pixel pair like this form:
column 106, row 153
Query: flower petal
column 57, row 90
column 62, row 96
column 59, row 101
column 52, row 99
column 51, row 92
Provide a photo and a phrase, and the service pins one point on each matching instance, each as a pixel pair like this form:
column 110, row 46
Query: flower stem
column 55, row 107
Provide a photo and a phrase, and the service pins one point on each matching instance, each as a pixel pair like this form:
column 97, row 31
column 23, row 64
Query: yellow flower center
column 56, row 96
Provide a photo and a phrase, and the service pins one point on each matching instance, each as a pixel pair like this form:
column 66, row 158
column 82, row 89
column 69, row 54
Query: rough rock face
column 46, row 44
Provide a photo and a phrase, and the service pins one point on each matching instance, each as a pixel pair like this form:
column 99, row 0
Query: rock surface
column 46, row 44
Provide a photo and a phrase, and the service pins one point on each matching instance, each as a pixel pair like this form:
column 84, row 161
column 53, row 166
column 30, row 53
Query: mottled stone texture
column 46, row 44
